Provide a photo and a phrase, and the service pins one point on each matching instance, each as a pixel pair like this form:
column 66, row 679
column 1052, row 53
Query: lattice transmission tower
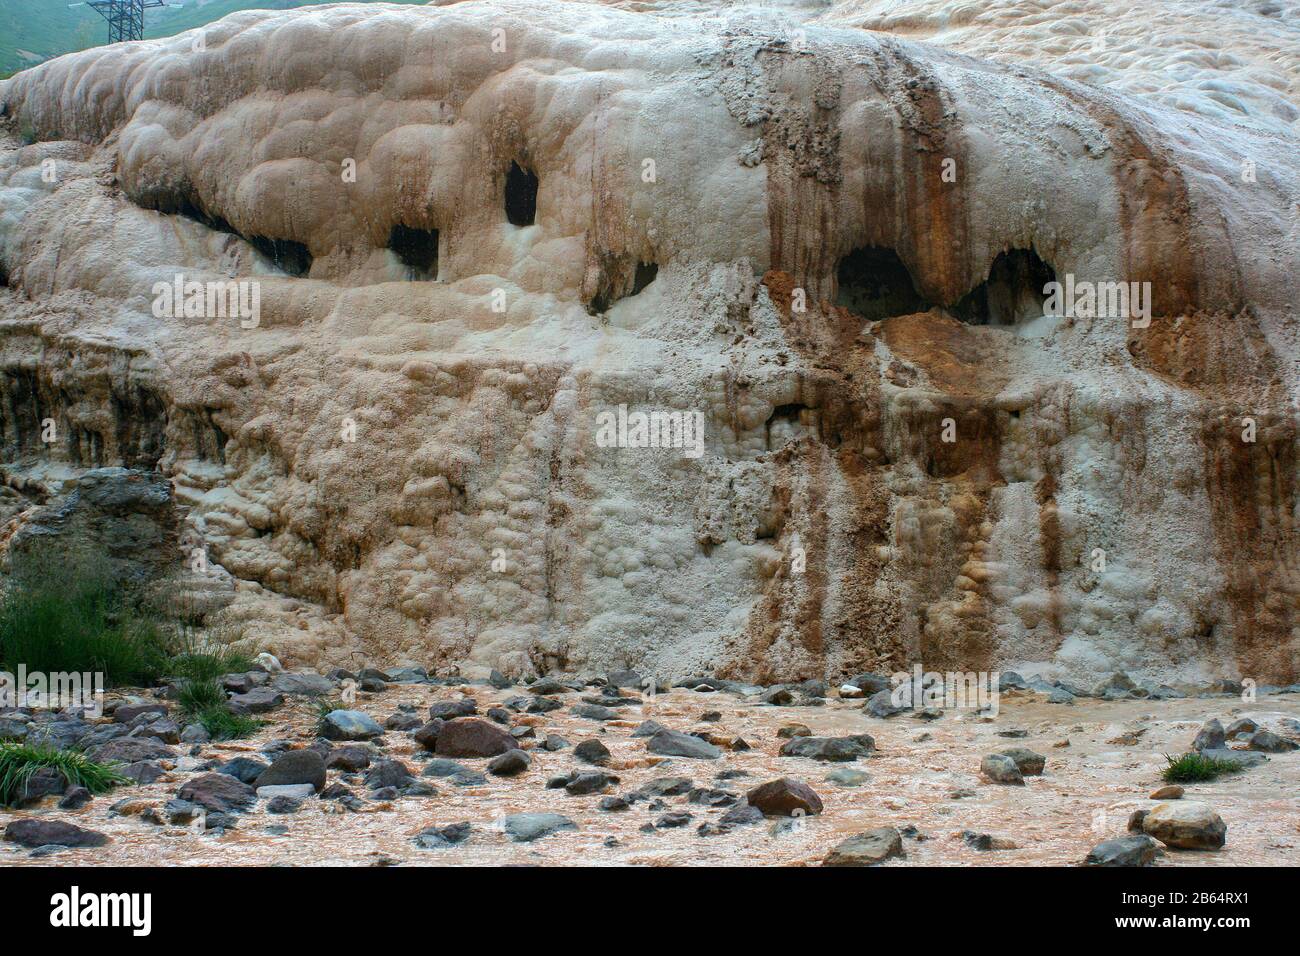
column 125, row 17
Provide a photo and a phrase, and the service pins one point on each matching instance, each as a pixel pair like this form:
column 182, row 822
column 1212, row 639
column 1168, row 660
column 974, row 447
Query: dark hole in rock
column 646, row 272
column 619, row 281
column 417, row 249
column 291, row 257
column 521, row 196
column 1012, row 293
column 4, row 276
column 875, row 284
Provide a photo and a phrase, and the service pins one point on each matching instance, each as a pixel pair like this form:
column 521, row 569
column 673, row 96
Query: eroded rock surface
column 831, row 243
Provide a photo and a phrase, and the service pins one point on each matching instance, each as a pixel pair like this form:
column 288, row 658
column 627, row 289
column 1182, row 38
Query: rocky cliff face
column 477, row 229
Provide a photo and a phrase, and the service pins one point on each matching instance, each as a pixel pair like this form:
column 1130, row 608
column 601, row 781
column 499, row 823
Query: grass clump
column 19, row 762
column 204, row 702
column 1196, row 768
column 73, row 616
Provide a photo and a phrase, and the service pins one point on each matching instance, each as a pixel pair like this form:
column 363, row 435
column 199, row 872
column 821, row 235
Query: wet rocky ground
column 412, row 770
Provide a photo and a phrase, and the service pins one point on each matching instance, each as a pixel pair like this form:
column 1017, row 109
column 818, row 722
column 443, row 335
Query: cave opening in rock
column 646, row 272
column 873, row 282
column 417, row 249
column 521, row 196
column 1012, row 293
column 290, row 257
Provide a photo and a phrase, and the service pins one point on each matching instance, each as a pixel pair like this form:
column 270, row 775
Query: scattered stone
column 75, row 798
column 1137, row 850
column 554, row 742
column 542, row 705
column 648, row 728
column 244, row 769
column 509, row 764
column 593, row 712
column 259, row 700
column 793, row 730
column 1001, row 769
column 470, row 737
column 32, row 832
column 1014, row 733
column 867, row 848
column 833, row 749
column 1029, row 764
column 986, row 841
column 847, row 777
column 427, row 735
column 671, row 743
column 740, row 744
column 526, row 827
column 350, row 725
column 712, row 797
column 741, row 815
column 587, row 782
column 499, row 680
column 294, row 767
column 129, row 712
column 303, row 684
column 348, row 759
column 1185, row 825
column 142, row 772
column 195, row 734
column 388, row 772
column 1210, row 737
column 1242, row 758
column 881, row 704
column 129, row 750
column 614, row 804
column 670, row 821
column 1171, row 792
column 593, row 752
column 785, row 797
column 219, row 793
column 546, row 686
column 1268, row 742
column 1115, row 687
column 439, row 838
column 450, row 709
column 403, row 722
column 666, row 787
column 468, row 778
column 1243, row 727
column 851, row 692
column 439, row 767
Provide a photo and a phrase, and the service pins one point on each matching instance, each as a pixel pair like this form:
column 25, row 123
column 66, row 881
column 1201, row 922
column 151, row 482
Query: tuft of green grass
column 197, row 696
column 1195, row 768
column 18, row 762
column 71, row 615
column 204, row 702
column 222, row 724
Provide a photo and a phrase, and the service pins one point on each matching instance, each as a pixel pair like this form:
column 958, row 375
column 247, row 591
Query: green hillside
column 35, row 30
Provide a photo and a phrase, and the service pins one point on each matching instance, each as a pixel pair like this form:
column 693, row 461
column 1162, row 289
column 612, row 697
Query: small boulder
column 832, row 749
column 509, row 764
column 1137, row 850
column 1210, row 737
column 785, row 797
column 1029, row 764
column 469, row 737
column 1001, row 769
column 33, row 832
column 593, row 752
column 294, row 767
column 671, row 743
column 526, row 827
column 1186, row 825
column 219, row 793
column 350, row 725
column 867, row 848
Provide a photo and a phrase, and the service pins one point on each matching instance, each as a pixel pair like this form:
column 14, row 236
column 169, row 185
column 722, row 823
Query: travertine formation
column 475, row 228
